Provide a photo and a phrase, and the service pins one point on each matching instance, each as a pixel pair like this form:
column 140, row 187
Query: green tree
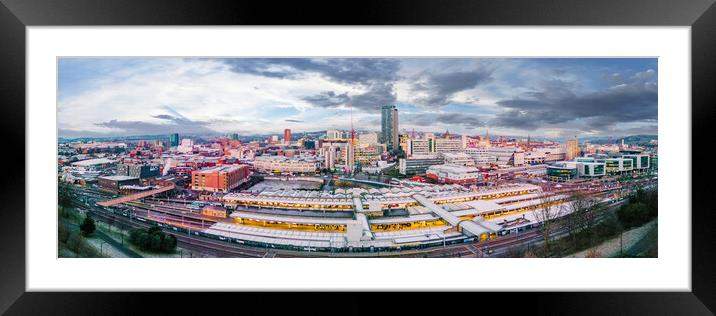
column 652, row 202
column 153, row 239
column 73, row 242
column 64, row 200
column 87, row 227
column 633, row 214
column 144, row 241
column 155, row 242
column 134, row 236
column 62, row 233
column 608, row 227
column 169, row 243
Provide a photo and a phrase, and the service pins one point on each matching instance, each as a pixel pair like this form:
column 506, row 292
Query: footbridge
column 470, row 228
column 136, row 196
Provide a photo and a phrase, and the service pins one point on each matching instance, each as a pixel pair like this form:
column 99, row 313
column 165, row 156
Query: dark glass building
column 174, row 140
column 389, row 127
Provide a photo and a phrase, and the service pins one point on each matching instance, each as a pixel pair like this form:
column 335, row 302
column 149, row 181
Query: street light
column 101, row 248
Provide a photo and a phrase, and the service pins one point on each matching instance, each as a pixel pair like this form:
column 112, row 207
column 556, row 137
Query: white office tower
column 334, row 134
column 368, row 138
column 481, row 156
column 329, row 157
column 186, row 146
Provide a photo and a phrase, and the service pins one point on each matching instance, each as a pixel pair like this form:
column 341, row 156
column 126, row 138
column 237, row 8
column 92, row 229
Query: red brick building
column 220, row 178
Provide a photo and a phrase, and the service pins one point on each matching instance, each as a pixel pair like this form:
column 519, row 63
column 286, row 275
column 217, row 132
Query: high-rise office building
column 368, row 138
column 174, row 140
column 572, row 149
column 287, row 136
column 334, row 134
column 389, row 127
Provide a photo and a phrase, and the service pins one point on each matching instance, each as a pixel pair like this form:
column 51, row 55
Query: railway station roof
column 291, row 219
column 483, row 206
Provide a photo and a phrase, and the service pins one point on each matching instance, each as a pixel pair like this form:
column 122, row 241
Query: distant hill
column 631, row 140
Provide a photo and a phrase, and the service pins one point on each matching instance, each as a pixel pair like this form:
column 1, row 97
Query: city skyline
column 542, row 97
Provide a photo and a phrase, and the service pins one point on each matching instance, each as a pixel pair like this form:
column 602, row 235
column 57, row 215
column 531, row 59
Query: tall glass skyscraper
column 389, row 127
column 174, row 140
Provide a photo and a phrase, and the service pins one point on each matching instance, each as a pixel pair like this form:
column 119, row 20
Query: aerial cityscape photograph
column 370, row 157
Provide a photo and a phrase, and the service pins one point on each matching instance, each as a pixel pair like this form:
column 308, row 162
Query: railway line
column 186, row 224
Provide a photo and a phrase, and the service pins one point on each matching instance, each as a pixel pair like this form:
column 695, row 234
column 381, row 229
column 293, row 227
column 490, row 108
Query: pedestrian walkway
column 472, row 228
column 135, row 196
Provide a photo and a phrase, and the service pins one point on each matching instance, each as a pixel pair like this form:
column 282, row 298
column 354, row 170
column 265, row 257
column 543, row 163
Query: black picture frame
column 15, row 15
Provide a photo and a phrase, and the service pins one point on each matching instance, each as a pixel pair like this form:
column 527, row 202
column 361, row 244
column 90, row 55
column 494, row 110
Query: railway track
column 198, row 244
column 219, row 248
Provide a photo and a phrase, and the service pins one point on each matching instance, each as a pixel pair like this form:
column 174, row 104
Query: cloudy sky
column 549, row 97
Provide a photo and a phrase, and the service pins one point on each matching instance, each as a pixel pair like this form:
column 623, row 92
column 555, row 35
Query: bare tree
column 545, row 213
column 591, row 211
column 575, row 217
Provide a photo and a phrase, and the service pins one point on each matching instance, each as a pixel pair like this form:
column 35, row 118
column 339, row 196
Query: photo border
column 16, row 15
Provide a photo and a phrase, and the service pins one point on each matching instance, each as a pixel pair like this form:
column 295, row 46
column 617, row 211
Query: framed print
column 445, row 149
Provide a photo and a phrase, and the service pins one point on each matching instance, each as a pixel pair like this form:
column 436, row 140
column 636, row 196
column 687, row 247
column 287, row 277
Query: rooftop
column 284, row 158
column 118, row 178
column 91, row 162
column 453, row 168
column 224, row 168
column 484, row 206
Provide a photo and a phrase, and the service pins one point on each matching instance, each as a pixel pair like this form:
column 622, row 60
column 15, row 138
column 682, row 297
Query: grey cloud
column 369, row 121
column 615, row 78
column 378, row 94
column 175, row 123
column 441, row 87
column 294, row 121
column 376, row 75
column 456, row 118
column 346, row 70
column 634, row 101
column 163, row 117
column 327, row 99
column 645, row 76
